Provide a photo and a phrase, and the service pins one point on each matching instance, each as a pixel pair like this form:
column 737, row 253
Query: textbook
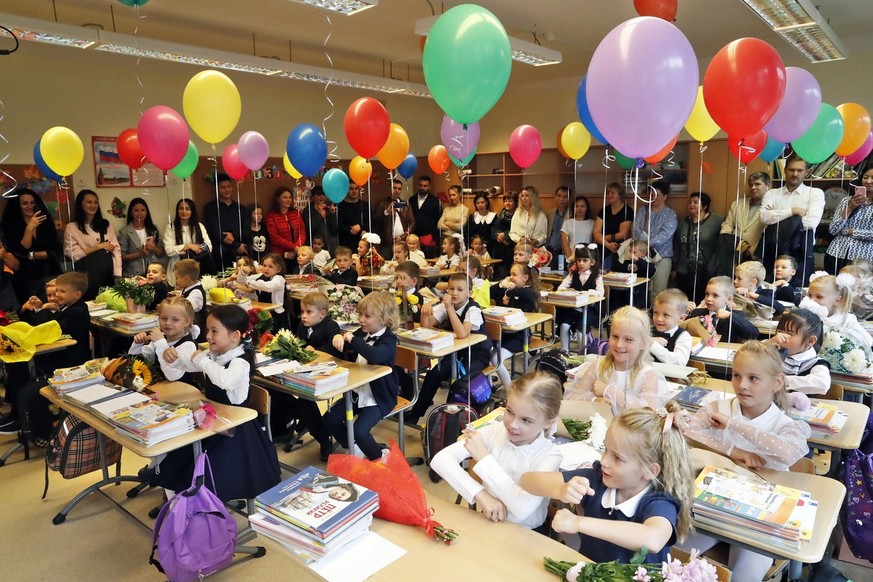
column 715, row 355
column 64, row 387
column 152, row 422
column 88, row 395
column 692, row 398
column 318, row 503
column 616, row 278
column 569, row 298
column 508, row 316
column 822, row 417
column 307, row 548
column 316, row 382
column 425, row 338
column 115, row 406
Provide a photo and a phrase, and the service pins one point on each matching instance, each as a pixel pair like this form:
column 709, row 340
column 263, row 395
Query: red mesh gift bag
column 401, row 498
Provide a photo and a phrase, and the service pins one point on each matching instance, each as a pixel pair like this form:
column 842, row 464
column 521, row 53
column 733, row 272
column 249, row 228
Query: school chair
column 545, row 341
column 406, row 359
column 494, row 333
column 697, row 365
column 835, row 392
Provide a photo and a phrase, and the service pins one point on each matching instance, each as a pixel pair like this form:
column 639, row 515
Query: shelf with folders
column 830, row 170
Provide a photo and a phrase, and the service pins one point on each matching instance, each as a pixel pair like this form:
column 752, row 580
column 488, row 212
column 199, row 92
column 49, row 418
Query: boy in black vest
column 188, row 285
column 344, row 274
column 670, row 343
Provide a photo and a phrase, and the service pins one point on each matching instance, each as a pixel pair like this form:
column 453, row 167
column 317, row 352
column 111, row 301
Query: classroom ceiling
column 381, row 41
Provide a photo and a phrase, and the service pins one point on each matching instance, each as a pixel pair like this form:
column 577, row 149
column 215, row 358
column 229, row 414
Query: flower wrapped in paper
column 286, row 345
column 344, row 301
column 18, row 340
column 401, row 498
column 695, row 570
column 844, row 354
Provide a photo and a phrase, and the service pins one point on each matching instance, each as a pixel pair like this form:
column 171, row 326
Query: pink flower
column 641, row 575
column 574, row 571
column 671, row 570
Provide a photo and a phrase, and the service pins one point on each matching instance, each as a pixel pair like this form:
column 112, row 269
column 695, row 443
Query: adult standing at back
column 614, row 223
column 455, row 213
column 140, row 240
column 555, row 223
column 31, row 237
column 227, row 223
column 695, row 243
column 656, row 224
column 392, row 219
column 90, row 241
column 320, row 218
column 852, row 227
column 426, row 210
column 529, row 223
column 353, row 218
column 791, row 214
column 285, row 227
column 742, row 227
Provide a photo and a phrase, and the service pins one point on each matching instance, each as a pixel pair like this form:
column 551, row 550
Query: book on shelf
column 426, row 338
column 318, row 381
column 504, row 315
column 318, row 503
column 822, row 417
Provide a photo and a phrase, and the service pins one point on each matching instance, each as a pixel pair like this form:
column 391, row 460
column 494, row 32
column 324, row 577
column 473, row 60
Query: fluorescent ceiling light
column 799, row 23
column 347, row 7
column 522, row 51
column 67, row 35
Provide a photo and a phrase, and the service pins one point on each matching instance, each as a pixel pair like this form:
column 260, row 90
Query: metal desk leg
column 350, row 422
column 524, row 365
column 584, row 340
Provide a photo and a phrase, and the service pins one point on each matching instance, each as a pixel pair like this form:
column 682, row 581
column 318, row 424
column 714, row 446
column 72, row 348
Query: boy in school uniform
column 715, row 318
column 344, row 274
column 188, row 285
column 320, row 255
column 637, row 262
column 670, row 343
column 787, row 285
column 156, row 276
column 748, row 277
column 305, row 257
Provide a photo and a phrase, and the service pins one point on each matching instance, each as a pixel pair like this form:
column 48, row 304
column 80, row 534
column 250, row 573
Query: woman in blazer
column 140, row 240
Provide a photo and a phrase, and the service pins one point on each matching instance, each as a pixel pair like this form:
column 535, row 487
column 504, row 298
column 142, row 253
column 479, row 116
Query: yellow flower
column 140, row 369
column 398, row 300
column 412, row 299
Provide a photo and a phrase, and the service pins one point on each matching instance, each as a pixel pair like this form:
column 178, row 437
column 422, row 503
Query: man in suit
column 392, row 219
column 228, row 225
column 426, row 210
column 353, row 218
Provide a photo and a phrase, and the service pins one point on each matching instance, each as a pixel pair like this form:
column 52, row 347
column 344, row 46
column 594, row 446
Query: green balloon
column 822, row 138
column 189, row 163
column 467, row 61
column 461, row 162
column 624, row 162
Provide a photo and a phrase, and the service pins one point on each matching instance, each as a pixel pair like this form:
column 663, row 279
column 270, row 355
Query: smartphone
column 861, row 191
column 400, row 204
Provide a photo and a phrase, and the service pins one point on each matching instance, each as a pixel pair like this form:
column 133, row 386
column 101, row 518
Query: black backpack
column 443, row 426
column 555, row 362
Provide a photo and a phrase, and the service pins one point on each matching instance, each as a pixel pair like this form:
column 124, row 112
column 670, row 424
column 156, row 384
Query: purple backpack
column 857, row 474
column 194, row 535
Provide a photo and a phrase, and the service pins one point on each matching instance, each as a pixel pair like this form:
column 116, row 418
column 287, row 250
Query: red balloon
column 438, row 159
column 665, row 9
column 231, row 163
column 129, row 150
column 665, row 151
column 747, row 149
column 525, row 145
column 743, row 86
column 367, row 126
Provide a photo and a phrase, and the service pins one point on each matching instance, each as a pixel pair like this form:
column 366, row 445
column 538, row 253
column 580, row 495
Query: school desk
column 590, row 299
column 359, row 374
column 62, row 343
column 532, row 320
column 265, row 306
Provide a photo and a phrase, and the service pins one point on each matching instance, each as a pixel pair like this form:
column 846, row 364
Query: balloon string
column 62, row 185
column 219, row 242
column 7, row 190
column 138, row 59
column 332, row 155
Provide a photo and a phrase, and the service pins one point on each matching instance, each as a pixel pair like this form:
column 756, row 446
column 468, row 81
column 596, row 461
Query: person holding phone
column 31, row 237
column 852, row 226
column 140, row 241
column 392, row 220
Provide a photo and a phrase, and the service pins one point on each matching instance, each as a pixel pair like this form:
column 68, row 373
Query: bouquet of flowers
column 134, row 372
column 591, row 431
column 845, row 355
column 286, row 345
column 261, row 320
column 208, row 282
column 344, row 301
column 407, row 304
column 696, row 570
column 137, row 290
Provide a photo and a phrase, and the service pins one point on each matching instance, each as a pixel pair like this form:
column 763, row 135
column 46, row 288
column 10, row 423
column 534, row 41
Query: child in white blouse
column 584, row 275
column 451, row 257
column 754, row 431
column 505, row 451
column 624, row 377
column 270, row 288
column 415, row 252
column 172, row 344
column 322, row 255
column 477, row 248
column 830, row 298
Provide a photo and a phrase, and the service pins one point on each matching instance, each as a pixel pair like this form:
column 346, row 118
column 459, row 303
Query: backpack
column 473, row 389
column 194, row 535
column 554, row 361
column 73, row 450
column 594, row 345
column 443, row 426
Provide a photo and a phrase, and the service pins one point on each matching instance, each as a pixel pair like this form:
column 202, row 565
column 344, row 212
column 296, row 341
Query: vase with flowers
column 408, row 306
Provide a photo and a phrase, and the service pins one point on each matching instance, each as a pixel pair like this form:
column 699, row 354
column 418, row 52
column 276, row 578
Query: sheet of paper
column 359, row 560
column 102, row 312
column 275, row 368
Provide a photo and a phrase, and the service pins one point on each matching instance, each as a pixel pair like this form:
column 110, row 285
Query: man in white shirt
column 791, row 214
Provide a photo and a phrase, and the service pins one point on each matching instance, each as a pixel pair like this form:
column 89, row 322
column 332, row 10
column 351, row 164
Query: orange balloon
column 396, row 148
column 360, row 170
column 561, row 147
column 438, row 159
column 665, row 151
column 856, row 122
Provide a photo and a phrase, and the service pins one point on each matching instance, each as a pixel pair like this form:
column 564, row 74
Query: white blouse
column 234, row 379
column 649, row 388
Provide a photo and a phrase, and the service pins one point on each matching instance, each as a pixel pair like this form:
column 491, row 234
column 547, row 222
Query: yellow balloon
column 62, row 150
column 292, row 171
column 700, row 124
column 395, row 149
column 856, row 121
column 360, row 170
column 575, row 140
column 212, row 105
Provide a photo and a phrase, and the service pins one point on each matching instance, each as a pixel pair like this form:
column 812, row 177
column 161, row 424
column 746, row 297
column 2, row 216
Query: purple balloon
column 253, row 150
column 460, row 140
column 799, row 106
column 641, row 85
column 860, row 154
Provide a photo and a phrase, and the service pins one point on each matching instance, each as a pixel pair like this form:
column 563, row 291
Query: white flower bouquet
column 844, row 354
column 344, row 301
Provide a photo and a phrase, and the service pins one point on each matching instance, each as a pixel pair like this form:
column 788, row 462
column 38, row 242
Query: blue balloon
column 585, row 115
column 43, row 167
column 307, row 149
column 407, row 167
column 772, row 150
column 335, row 184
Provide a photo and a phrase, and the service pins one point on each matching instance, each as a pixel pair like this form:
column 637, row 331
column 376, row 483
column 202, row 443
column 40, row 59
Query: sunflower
column 141, row 369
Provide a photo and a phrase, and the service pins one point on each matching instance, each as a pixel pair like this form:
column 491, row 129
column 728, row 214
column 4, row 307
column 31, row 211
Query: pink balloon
column 799, row 106
column 641, row 85
column 525, row 145
column 232, row 164
column 253, row 150
column 860, row 154
column 163, row 136
column 460, row 141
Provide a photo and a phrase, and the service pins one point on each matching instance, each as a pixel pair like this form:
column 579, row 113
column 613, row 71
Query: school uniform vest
column 477, row 351
column 264, row 296
column 590, row 283
column 187, row 377
column 804, row 368
column 199, row 316
column 671, row 338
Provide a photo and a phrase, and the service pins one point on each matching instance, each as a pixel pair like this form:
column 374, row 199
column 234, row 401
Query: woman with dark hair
column 90, row 241
column 613, row 224
column 480, row 221
column 140, row 240
column 30, row 235
column 500, row 227
column 286, row 228
column 321, row 217
column 694, row 246
column 852, row 227
column 186, row 238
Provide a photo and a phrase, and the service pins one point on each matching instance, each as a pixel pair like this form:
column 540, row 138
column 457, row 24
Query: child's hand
column 447, row 301
column 491, row 507
column 723, row 314
column 141, row 338
column 780, row 282
column 506, row 299
column 565, row 521
column 575, row 489
column 632, row 268
column 741, row 291
column 196, row 354
column 35, row 302
column 660, row 341
column 599, row 388
column 50, row 306
column 338, row 342
column 780, row 339
column 747, row 459
column 171, row 355
column 156, row 334
column 718, row 420
column 427, row 310
column 475, row 444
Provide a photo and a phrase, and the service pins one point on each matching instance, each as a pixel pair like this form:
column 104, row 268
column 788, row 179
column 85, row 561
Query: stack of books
column 425, row 339
column 568, row 298
column 615, row 278
column 144, row 420
column 314, row 513
column 430, row 270
column 94, row 394
column 66, row 380
column 316, row 381
column 132, row 322
column 715, row 355
column 376, row 281
column 823, row 418
column 508, row 316
column 95, row 306
column 864, row 378
column 692, row 398
column 778, row 516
